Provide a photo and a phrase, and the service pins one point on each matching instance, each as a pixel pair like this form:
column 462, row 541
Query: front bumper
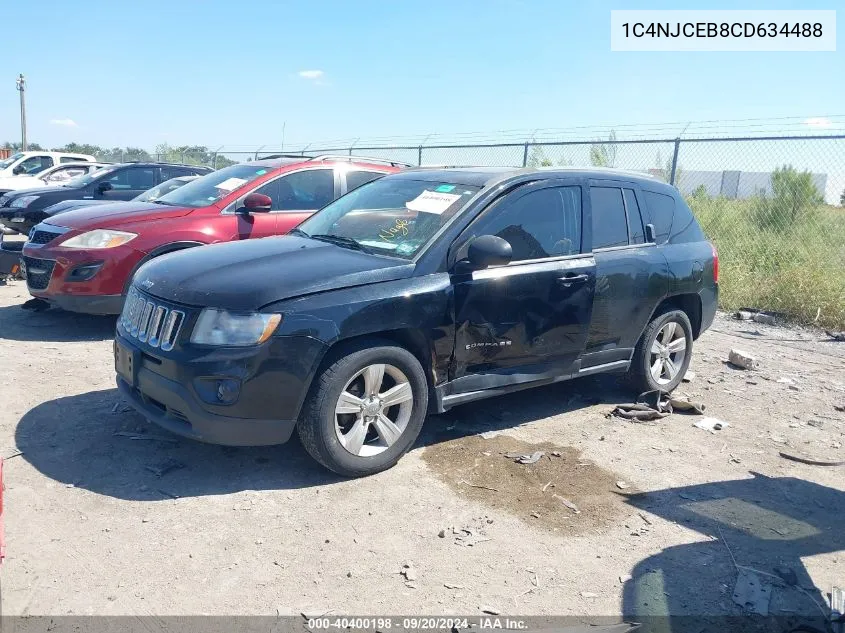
column 171, row 389
column 101, row 293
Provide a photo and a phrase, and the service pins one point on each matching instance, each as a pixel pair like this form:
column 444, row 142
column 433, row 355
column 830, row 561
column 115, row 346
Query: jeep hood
column 114, row 214
column 248, row 275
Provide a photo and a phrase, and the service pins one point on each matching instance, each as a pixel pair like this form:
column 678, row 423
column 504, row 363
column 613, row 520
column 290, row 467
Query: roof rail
column 363, row 159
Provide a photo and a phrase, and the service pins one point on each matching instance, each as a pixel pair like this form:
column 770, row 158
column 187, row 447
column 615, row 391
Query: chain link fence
column 774, row 206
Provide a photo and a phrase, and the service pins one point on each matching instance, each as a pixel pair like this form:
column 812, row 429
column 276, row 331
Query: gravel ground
column 666, row 511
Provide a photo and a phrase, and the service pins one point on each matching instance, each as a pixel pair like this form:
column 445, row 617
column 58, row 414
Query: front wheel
column 663, row 353
column 365, row 410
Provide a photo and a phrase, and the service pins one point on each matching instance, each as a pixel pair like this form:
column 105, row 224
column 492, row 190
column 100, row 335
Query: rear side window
column 661, row 208
column 355, row 179
column 685, row 228
column 71, row 159
column 175, row 172
column 635, row 220
column 610, row 226
column 306, row 190
column 538, row 224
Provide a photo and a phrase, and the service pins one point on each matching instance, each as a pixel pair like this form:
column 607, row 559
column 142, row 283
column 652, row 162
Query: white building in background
column 732, row 184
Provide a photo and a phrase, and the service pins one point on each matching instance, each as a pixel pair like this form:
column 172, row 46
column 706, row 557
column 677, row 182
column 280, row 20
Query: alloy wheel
column 668, row 352
column 373, row 410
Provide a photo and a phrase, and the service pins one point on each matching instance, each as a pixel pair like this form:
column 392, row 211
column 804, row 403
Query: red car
column 83, row 260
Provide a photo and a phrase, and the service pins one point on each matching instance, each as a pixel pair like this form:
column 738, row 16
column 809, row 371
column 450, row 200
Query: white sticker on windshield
column 432, row 202
column 231, row 184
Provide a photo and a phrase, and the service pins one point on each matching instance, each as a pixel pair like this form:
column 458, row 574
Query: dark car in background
column 418, row 292
column 21, row 210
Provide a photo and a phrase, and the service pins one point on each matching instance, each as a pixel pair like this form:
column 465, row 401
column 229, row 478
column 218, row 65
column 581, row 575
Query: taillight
column 715, row 263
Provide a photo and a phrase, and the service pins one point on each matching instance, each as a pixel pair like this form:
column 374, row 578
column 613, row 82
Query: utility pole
column 21, row 85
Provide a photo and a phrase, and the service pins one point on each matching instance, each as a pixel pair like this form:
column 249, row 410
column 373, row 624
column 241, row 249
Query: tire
column 640, row 374
column 336, row 440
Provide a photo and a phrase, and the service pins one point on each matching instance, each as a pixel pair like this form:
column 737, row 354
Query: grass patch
column 795, row 267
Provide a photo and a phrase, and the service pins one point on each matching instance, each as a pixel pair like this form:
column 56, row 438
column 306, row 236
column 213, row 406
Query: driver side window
column 35, row 164
column 538, row 224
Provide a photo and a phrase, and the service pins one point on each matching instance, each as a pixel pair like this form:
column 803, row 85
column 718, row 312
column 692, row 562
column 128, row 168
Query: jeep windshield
column 214, row 186
column 392, row 216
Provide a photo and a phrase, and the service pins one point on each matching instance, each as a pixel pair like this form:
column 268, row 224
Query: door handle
column 568, row 280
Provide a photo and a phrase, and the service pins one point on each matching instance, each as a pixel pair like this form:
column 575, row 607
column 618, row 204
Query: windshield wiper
column 341, row 240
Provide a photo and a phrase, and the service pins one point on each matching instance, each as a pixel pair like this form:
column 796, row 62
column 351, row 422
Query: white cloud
column 311, row 74
column 64, row 122
column 818, row 122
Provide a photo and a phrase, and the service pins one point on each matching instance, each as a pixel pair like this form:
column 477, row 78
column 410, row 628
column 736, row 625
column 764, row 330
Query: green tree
column 664, row 169
column 794, row 198
column 16, row 147
column 603, row 154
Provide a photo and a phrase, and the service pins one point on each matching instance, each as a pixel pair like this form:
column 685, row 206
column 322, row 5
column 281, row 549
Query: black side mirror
column 489, row 250
column 256, row 203
column 104, row 186
column 650, row 237
column 20, row 169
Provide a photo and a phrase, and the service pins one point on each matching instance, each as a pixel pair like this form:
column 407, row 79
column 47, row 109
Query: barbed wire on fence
column 774, row 206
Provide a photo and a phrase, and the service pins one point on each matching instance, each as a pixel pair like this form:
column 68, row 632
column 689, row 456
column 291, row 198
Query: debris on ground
column 165, row 467
column 520, row 458
column 710, row 424
column 765, row 318
column 785, row 381
column 121, row 407
column 589, row 594
column 836, row 336
column 742, row 359
column 689, row 376
column 815, row 423
column 451, row 585
column 489, row 610
column 10, row 452
column 809, row 461
column 465, row 482
column 743, row 315
column 568, row 504
column 655, row 405
column 408, row 571
column 442, row 534
column 489, row 435
column 751, row 593
column 622, row 485
column 839, row 407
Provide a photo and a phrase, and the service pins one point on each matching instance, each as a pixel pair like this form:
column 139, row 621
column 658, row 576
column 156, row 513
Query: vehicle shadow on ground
column 759, row 528
column 53, row 325
column 73, row 440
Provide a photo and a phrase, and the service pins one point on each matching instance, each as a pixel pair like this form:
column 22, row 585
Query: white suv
column 55, row 175
column 31, row 163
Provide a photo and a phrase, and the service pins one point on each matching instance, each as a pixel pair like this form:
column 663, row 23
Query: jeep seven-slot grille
column 150, row 322
column 38, row 272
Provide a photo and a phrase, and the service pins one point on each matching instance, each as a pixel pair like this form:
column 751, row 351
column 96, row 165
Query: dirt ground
column 106, row 514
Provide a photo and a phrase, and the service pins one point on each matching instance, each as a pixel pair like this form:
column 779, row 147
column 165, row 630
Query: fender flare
column 159, row 250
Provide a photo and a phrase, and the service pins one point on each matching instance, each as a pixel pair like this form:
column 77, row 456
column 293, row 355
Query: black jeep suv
column 414, row 293
column 23, row 209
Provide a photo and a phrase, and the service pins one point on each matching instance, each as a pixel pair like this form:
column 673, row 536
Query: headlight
column 99, row 238
column 219, row 327
column 23, row 201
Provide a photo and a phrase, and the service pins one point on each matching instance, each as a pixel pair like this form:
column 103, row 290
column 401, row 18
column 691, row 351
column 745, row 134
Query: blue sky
column 231, row 73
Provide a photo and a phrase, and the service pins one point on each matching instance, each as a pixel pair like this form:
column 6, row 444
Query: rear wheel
column 365, row 409
column 663, row 353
